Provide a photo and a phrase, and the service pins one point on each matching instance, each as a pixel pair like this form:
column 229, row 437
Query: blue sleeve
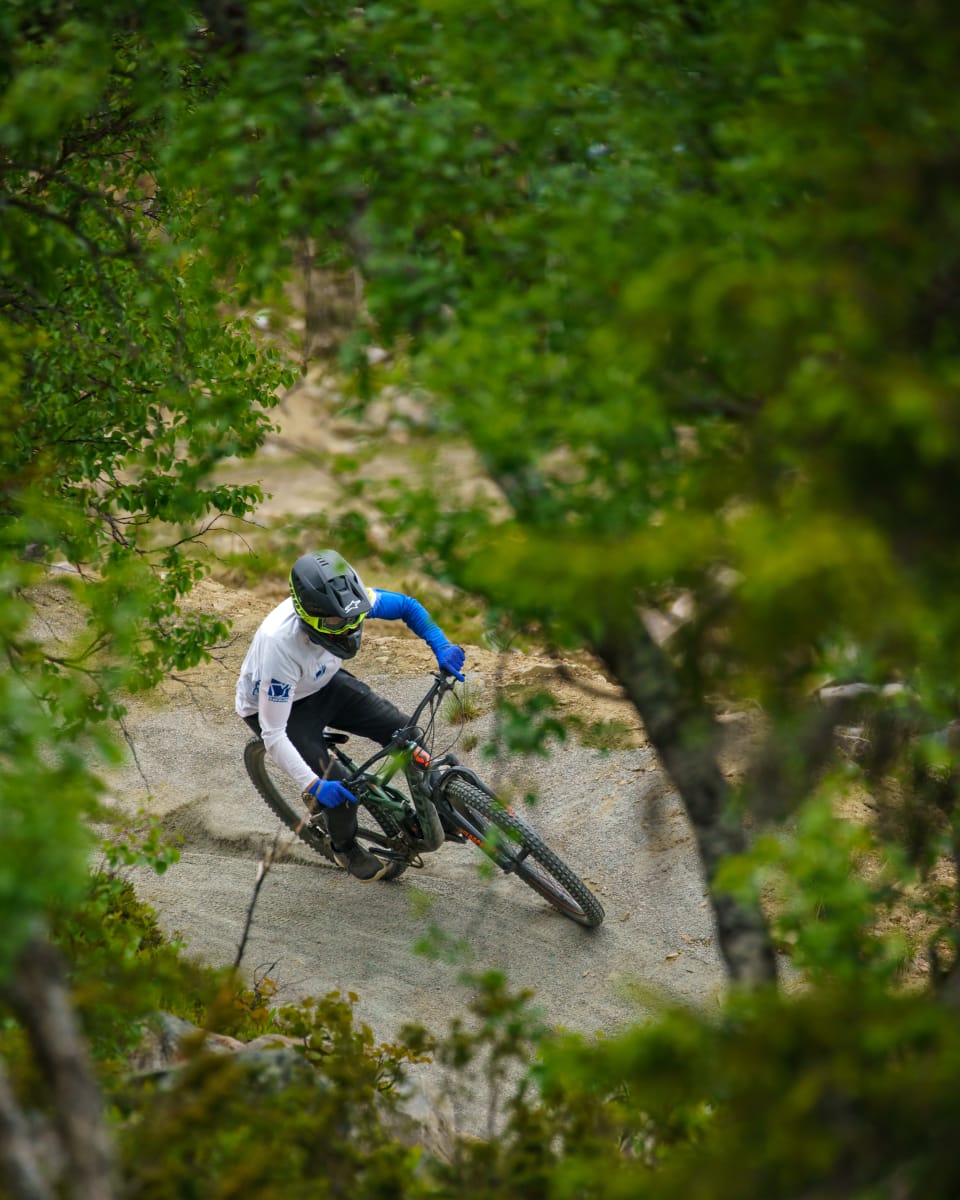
column 394, row 606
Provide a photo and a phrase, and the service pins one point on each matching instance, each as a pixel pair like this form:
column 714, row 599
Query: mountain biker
column 293, row 683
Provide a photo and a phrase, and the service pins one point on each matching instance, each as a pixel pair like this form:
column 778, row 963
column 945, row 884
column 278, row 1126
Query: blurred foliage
column 843, row 1088
column 833, row 885
column 832, row 1092
column 281, row 541
column 529, row 719
column 127, row 376
column 526, row 725
column 687, row 276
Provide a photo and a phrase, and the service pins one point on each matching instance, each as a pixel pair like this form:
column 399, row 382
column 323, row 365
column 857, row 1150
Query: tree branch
column 274, row 853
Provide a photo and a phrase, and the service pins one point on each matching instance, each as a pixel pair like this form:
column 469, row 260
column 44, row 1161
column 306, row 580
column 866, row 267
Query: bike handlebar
column 443, row 682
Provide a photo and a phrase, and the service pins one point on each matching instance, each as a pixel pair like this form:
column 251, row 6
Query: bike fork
column 431, row 828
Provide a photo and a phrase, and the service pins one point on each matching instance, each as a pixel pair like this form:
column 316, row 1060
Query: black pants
column 348, row 704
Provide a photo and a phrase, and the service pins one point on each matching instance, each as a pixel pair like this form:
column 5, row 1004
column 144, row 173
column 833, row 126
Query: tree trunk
column 22, row 1174
column 40, row 998
column 686, row 740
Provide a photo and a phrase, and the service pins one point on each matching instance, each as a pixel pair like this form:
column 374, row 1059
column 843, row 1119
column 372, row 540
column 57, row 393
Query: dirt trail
column 606, row 813
column 610, row 815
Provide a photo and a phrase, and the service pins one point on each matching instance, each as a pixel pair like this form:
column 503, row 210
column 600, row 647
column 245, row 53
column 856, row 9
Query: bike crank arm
column 392, row 849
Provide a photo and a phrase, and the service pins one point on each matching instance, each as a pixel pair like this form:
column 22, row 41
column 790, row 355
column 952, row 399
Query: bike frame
column 398, row 754
column 447, row 803
column 402, row 751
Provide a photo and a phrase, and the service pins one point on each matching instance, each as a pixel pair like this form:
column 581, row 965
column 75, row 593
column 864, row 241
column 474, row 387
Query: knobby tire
column 284, row 798
column 514, row 848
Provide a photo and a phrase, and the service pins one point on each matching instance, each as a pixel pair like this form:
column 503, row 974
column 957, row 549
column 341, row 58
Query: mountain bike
column 448, row 802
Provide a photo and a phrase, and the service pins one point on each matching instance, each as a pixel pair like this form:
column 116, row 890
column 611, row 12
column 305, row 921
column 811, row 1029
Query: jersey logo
column 322, row 671
column 279, row 691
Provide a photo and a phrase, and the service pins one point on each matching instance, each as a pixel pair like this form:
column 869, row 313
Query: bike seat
column 335, row 739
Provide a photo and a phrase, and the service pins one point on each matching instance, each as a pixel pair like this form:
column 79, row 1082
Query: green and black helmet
column 330, row 600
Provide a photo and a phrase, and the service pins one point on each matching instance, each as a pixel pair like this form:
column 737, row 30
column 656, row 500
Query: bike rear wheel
column 285, row 799
column 517, row 850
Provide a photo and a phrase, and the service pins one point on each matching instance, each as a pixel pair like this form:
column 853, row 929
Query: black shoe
column 360, row 863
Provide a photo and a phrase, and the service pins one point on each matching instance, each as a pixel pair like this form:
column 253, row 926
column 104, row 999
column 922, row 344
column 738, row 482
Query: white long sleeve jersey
column 281, row 666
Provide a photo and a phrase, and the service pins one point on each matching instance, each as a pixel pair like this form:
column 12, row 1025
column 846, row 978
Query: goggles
column 332, row 625
column 326, row 624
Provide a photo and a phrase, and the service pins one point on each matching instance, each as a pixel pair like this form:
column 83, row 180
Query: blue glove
column 330, row 793
column 450, row 660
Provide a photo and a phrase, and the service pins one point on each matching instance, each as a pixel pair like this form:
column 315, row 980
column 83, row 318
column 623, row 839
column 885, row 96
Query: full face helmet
column 330, row 600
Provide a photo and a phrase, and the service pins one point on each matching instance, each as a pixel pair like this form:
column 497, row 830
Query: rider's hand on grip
column 450, row 660
column 330, row 793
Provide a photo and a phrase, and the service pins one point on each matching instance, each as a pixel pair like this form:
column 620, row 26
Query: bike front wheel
column 285, row 799
column 517, row 850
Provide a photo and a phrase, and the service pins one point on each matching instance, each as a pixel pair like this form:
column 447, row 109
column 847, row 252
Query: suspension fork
column 420, row 778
